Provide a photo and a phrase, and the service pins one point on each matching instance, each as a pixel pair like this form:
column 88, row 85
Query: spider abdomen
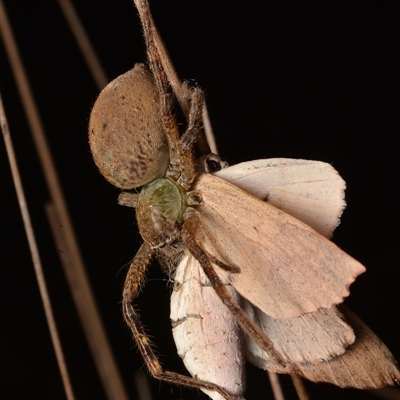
column 126, row 136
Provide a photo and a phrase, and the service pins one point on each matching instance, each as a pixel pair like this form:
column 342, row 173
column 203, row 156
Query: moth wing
column 287, row 268
column 366, row 364
column 311, row 191
column 309, row 338
column 206, row 334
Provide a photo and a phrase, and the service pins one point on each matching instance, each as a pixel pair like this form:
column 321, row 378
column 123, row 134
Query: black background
column 312, row 80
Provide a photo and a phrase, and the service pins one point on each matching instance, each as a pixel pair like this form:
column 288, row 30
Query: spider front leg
column 162, row 84
column 133, row 279
column 189, row 138
column 182, row 164
column 195, row 121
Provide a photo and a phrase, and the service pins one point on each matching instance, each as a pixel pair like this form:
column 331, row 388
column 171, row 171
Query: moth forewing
column 314, row 192
column 206, row 334
column 286, row 268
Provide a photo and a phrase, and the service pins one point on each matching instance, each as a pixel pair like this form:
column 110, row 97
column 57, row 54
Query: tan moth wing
column 287, row 268
column 313, row 192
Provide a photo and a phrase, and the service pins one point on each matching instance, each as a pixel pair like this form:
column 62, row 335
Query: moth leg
column 132, row 282
column 188, row 236
column 211, row 163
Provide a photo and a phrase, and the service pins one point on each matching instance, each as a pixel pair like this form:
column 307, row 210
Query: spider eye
column 159, row 212
column 126, row 136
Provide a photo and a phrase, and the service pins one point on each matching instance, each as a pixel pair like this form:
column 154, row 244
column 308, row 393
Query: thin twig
column 84, row 43
column 35, row 255
column 208, row 129
column 76, row 275
column 276, row 386
column 300, row 388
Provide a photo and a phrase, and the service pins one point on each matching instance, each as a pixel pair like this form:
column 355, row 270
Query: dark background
column 313, row 81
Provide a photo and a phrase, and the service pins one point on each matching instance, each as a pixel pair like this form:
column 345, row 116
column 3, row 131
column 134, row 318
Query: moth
column 265, row 257
column 331, row 345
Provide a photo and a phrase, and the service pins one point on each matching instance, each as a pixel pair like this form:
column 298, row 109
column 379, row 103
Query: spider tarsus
column 195, row 120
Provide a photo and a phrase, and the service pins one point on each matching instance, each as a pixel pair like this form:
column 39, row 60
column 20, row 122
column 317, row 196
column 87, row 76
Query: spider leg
column 190, row 137
column 133, row 279
column 162, row 83
column 182, row 164
column 195, row 122
column 188, row 235
column 182, row 91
